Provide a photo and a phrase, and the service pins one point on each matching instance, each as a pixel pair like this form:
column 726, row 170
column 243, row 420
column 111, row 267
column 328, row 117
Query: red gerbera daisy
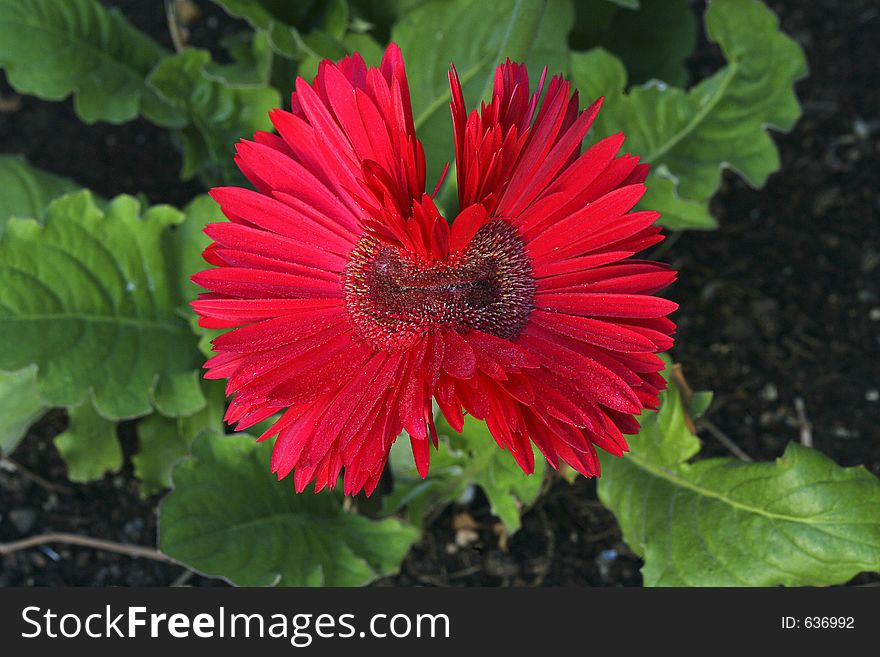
column 355, row 302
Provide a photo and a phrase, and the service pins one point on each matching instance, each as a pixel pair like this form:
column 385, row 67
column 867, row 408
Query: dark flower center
column 393, row 297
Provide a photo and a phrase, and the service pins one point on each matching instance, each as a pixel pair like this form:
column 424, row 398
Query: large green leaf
column 229, row 516
column 26, row 189
column 689, row 136
column 52, row 49
column 476, row 36
column 87, row 297
column 20, row 406
column 471, row 457
column 89, row 446
column 801, row 520
column 219, row 113
column 163, row 441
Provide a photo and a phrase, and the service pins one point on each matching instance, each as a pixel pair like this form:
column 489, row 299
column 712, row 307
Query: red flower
column 355, row 302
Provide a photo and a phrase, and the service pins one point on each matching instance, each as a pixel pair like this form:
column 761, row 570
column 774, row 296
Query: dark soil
column 779, row 308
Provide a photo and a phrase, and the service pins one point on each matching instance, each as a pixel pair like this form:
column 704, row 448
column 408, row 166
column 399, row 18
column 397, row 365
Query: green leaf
column 676, row 213
column 700, row 403
column 318, row 45
column 598, row 73
column 53, row 49
column 689, row 136
column 20, row 407
column 472, row 457
column 446, row 481
column 252, row 60
column 728, row 113
column 336, row 18
column 801, row 520
column 476, row 36
column 89, row 446
column 164, row 441
column 88, row 299
column 26, row 189
column 219, row 113
column 365, row 45
column 229, row 516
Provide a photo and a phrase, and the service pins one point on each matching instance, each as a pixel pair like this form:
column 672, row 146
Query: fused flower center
column 394, row 297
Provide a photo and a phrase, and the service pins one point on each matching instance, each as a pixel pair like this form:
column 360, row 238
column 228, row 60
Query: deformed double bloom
column 354, row 302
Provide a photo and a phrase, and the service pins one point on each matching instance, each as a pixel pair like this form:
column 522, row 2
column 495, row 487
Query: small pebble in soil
column 604, row 566
column 464, row 520
column 23, row 519
column 501, row 565
column 769, row 393
column 766, row 313
column 501, row 532
column 842, row 432
column 863, row 129
column 51, row 502
column 133, row 529
column 608, row 555
column 465, row 537
column 870, row 260
column 468, row 495
column 739, row 329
